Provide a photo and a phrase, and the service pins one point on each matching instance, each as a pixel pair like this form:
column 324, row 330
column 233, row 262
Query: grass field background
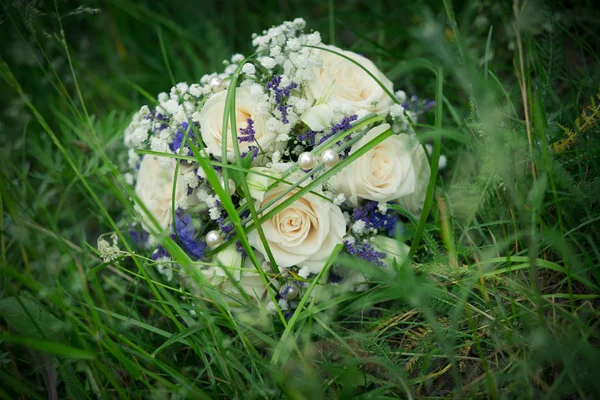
column 501, row 300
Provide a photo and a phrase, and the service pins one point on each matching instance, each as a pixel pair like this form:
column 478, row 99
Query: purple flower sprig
column 247, row 134
column 159, row 253
column 309, row 137
column 175, row 145
column 281, row 95
column 251, row 149
column 344, row 125
column 364, row 250
column 186, row 233
column 139, row 238
column 413, row 105
column 160, row 121
column 375, row 219
column 240, row 249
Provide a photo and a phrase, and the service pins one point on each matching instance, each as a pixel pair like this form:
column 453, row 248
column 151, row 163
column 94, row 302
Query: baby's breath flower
column 249, row 69
column 397, row 111
column 214, row 213
column 276, row 157
column 293, row 44
column 211, row 201
column 401, row 96
column 299, row 23
column 256, row 91
column 164, row 267
column 304, row 272
column 301, row 105
column 190, row 178
column 275, row 51
column 314, row 39
column 195, row 90
column 283, row 137
column 128, row 178
column 283, row 304
column 339, row 199
column 359, row 227
column 271, row 307
column 162, row 97
column 230, row 70
column 268, row 62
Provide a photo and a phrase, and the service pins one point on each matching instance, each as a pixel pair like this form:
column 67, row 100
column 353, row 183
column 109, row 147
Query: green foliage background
column 501, row 301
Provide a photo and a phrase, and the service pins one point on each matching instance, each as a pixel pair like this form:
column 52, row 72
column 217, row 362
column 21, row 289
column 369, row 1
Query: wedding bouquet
column 265, row 172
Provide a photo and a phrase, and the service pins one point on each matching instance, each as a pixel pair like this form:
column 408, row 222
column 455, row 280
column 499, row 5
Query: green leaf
column 537, row 191
column 46, row 346
column 178, row 337
column 29, row 318
column 284, row 345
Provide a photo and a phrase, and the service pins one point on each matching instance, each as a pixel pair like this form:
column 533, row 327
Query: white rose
column 318, row 117
column 349, row 279
column 248, row 279
column 302, row 234
column 258, row 181
column 394, row 250
column 344, row 82
column 211, row 123
column 155, row 189
column 414, row 201
column 384, row 173
column 229, row 258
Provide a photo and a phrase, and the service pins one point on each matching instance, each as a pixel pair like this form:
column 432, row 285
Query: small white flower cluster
column 109, row 252
column 294, row 96
column 283, row 46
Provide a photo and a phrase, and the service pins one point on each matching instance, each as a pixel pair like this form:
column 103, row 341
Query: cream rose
column 343, row 82
column 414, row 202
column 386, row 172
column 395, row 251
column 211, row 123
column 154, row 188
column 302, row 234
column 248, row 278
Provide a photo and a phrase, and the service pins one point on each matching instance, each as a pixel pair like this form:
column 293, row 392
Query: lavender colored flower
column 186, row 233
column 280, row 93
column 309, row 137
column 334, row 278
column 284, row 111
column 247, row 134
column 138, row 237
column 240, row 248
column 374, row 219
column 365, row 251
column 180, row 135
column 251, row 149
column 159, row 253
column 344, row 125
column 226, row 228
column 413, row 105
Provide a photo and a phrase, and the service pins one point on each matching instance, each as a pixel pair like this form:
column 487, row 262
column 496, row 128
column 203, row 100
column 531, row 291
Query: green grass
column 501, row 295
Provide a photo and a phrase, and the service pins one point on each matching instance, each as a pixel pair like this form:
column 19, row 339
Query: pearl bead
column 213, row 239
column 231, row 184
column 215, row 84
column 289, row 291
column 330, row 157
column 307, row 161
